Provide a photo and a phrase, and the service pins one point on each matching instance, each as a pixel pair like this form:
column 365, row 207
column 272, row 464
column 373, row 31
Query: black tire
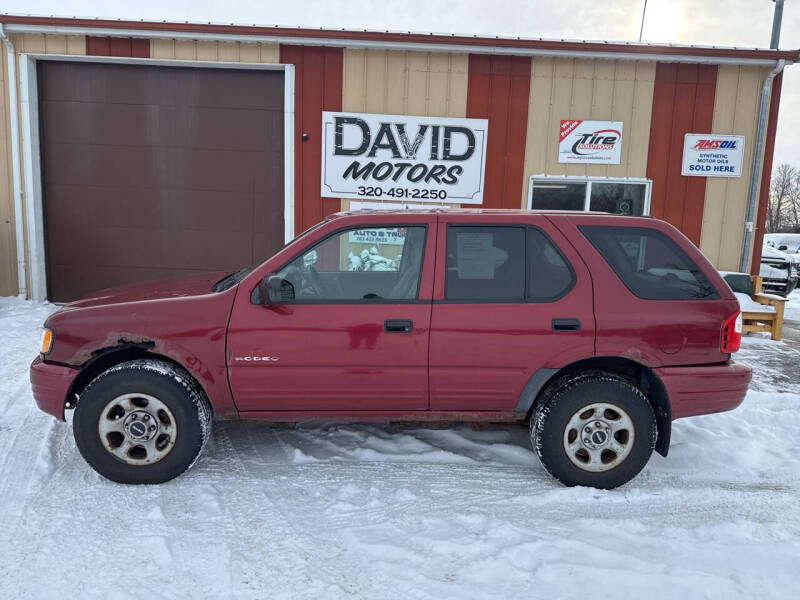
column 174, row 388
column 571, row 396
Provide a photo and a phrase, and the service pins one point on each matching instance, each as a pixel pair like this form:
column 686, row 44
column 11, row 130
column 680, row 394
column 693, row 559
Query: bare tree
column 783, row 209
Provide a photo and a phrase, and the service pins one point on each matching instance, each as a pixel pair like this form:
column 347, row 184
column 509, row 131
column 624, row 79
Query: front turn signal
column 47, row 340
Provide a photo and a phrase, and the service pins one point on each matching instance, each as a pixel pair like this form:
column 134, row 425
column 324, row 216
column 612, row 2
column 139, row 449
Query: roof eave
column 400, row 40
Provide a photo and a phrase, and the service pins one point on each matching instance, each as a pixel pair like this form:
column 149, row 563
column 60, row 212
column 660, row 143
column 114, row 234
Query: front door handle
column 398, row 325
column 566, row 324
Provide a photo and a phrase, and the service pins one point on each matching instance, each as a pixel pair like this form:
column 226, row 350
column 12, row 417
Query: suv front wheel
column 142, row 421
column 593, row 428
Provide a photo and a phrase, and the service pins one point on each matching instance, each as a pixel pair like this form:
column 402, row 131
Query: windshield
column 231, row 280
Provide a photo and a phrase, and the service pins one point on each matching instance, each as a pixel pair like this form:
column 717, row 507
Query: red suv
column 598, row 330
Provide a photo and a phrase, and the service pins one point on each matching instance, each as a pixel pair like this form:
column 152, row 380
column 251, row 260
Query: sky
column 744, row 23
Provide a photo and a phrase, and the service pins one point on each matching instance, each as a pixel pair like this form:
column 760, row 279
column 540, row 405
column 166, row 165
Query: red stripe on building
column 117, row 46
column 317, row 87
column 766, row 173
column 683, row 102
column 498, row 89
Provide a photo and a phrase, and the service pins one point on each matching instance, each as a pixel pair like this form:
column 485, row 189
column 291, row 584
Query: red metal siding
column 683, row 102
column 499, row 89
column 766, row 173
column 317, row 87
column 117, row 46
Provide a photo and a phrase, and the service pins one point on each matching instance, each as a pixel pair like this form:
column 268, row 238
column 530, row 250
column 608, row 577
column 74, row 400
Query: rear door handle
column 398, row 325
column 566, row 324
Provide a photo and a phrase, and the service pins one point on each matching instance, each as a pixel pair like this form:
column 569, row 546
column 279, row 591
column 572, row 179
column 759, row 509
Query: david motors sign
column 712, row 155
column 593, row 142
column 401, row 157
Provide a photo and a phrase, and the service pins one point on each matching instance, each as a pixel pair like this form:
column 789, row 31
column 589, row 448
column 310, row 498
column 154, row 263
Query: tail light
column 731, row 335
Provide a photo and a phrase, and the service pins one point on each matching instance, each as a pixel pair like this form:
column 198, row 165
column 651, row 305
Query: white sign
column 592, row 142
column 403, row 158
column 395, row 236
column 712, row 155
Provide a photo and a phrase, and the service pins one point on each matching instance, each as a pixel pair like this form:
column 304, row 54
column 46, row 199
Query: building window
column 619, row 196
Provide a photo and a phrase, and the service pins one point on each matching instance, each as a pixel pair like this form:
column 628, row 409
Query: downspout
column 755, row 174
column 17, row 181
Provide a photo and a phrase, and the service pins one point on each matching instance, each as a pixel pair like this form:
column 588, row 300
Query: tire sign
column 403, row 158
column 590, row 142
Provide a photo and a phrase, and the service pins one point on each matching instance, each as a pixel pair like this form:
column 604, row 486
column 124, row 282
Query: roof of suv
column 471, row 211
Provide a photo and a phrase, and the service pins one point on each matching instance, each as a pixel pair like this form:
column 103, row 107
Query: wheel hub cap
column 598, row 437
column 139, row 425
column 137, row 429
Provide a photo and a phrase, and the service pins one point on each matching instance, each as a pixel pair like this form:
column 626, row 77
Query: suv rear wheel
column 593, row 428
column 142, row 421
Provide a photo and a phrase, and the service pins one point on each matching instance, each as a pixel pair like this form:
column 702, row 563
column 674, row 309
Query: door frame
column 31, row 155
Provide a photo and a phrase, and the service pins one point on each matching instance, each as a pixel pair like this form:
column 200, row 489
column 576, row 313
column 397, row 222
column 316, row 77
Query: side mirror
column 275, row 290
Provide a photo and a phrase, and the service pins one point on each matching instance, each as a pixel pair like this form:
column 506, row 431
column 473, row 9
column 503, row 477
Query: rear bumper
column 50, row 384
column 705, row 389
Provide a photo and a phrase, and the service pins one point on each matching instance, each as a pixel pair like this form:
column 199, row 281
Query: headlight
column 47, row 340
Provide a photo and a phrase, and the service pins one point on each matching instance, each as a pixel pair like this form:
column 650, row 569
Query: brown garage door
column 152, row 172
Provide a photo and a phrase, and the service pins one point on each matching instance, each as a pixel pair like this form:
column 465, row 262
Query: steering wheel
column 670, row 279
column 314, row 281
column 306, row 281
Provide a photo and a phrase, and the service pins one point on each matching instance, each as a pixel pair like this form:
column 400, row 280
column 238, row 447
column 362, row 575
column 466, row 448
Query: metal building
column 137, row 150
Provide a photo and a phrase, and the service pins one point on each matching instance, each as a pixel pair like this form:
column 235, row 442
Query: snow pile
column 792, row 309
column 368, row 511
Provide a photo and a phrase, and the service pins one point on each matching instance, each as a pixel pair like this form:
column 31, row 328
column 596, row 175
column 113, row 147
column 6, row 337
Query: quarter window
column 651, row 265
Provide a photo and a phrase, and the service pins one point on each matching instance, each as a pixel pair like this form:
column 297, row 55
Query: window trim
column 544, row 178
column 525, row 299
column 339, row 231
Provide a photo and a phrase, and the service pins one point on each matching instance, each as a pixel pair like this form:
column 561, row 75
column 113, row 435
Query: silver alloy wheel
column 137, row 429
column 599, row 437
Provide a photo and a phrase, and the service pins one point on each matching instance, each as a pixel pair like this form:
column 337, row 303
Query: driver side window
column 367, row 264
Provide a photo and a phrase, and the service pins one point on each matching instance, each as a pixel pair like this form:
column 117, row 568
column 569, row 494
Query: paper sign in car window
column 475, row 256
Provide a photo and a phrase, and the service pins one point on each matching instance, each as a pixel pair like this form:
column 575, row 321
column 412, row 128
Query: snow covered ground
column 378, row 512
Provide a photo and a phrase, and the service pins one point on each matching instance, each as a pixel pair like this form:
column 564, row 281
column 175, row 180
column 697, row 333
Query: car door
column 511, row 298
column 354, row 336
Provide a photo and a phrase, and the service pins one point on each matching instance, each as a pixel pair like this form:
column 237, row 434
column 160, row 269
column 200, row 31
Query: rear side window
column 649, row 263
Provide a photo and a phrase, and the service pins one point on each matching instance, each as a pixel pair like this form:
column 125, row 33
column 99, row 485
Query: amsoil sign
column 594, row 142
column 401, row 157
column 712, row 155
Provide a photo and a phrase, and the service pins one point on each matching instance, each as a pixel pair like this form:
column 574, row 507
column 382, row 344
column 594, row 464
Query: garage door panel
column 151, row 172
column 207, row 250
column 244, row 130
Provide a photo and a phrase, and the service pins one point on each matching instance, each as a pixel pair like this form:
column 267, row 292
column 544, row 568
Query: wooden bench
column 754, row 317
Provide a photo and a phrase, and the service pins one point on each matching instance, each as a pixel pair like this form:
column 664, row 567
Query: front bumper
column 51, row 384
column 705, row 389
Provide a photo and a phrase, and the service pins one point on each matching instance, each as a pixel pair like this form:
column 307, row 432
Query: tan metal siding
column 566, row 88
column 214, row 51
column 735, row 112
column 23, row 43
column 405, row 83
column 8, row 253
